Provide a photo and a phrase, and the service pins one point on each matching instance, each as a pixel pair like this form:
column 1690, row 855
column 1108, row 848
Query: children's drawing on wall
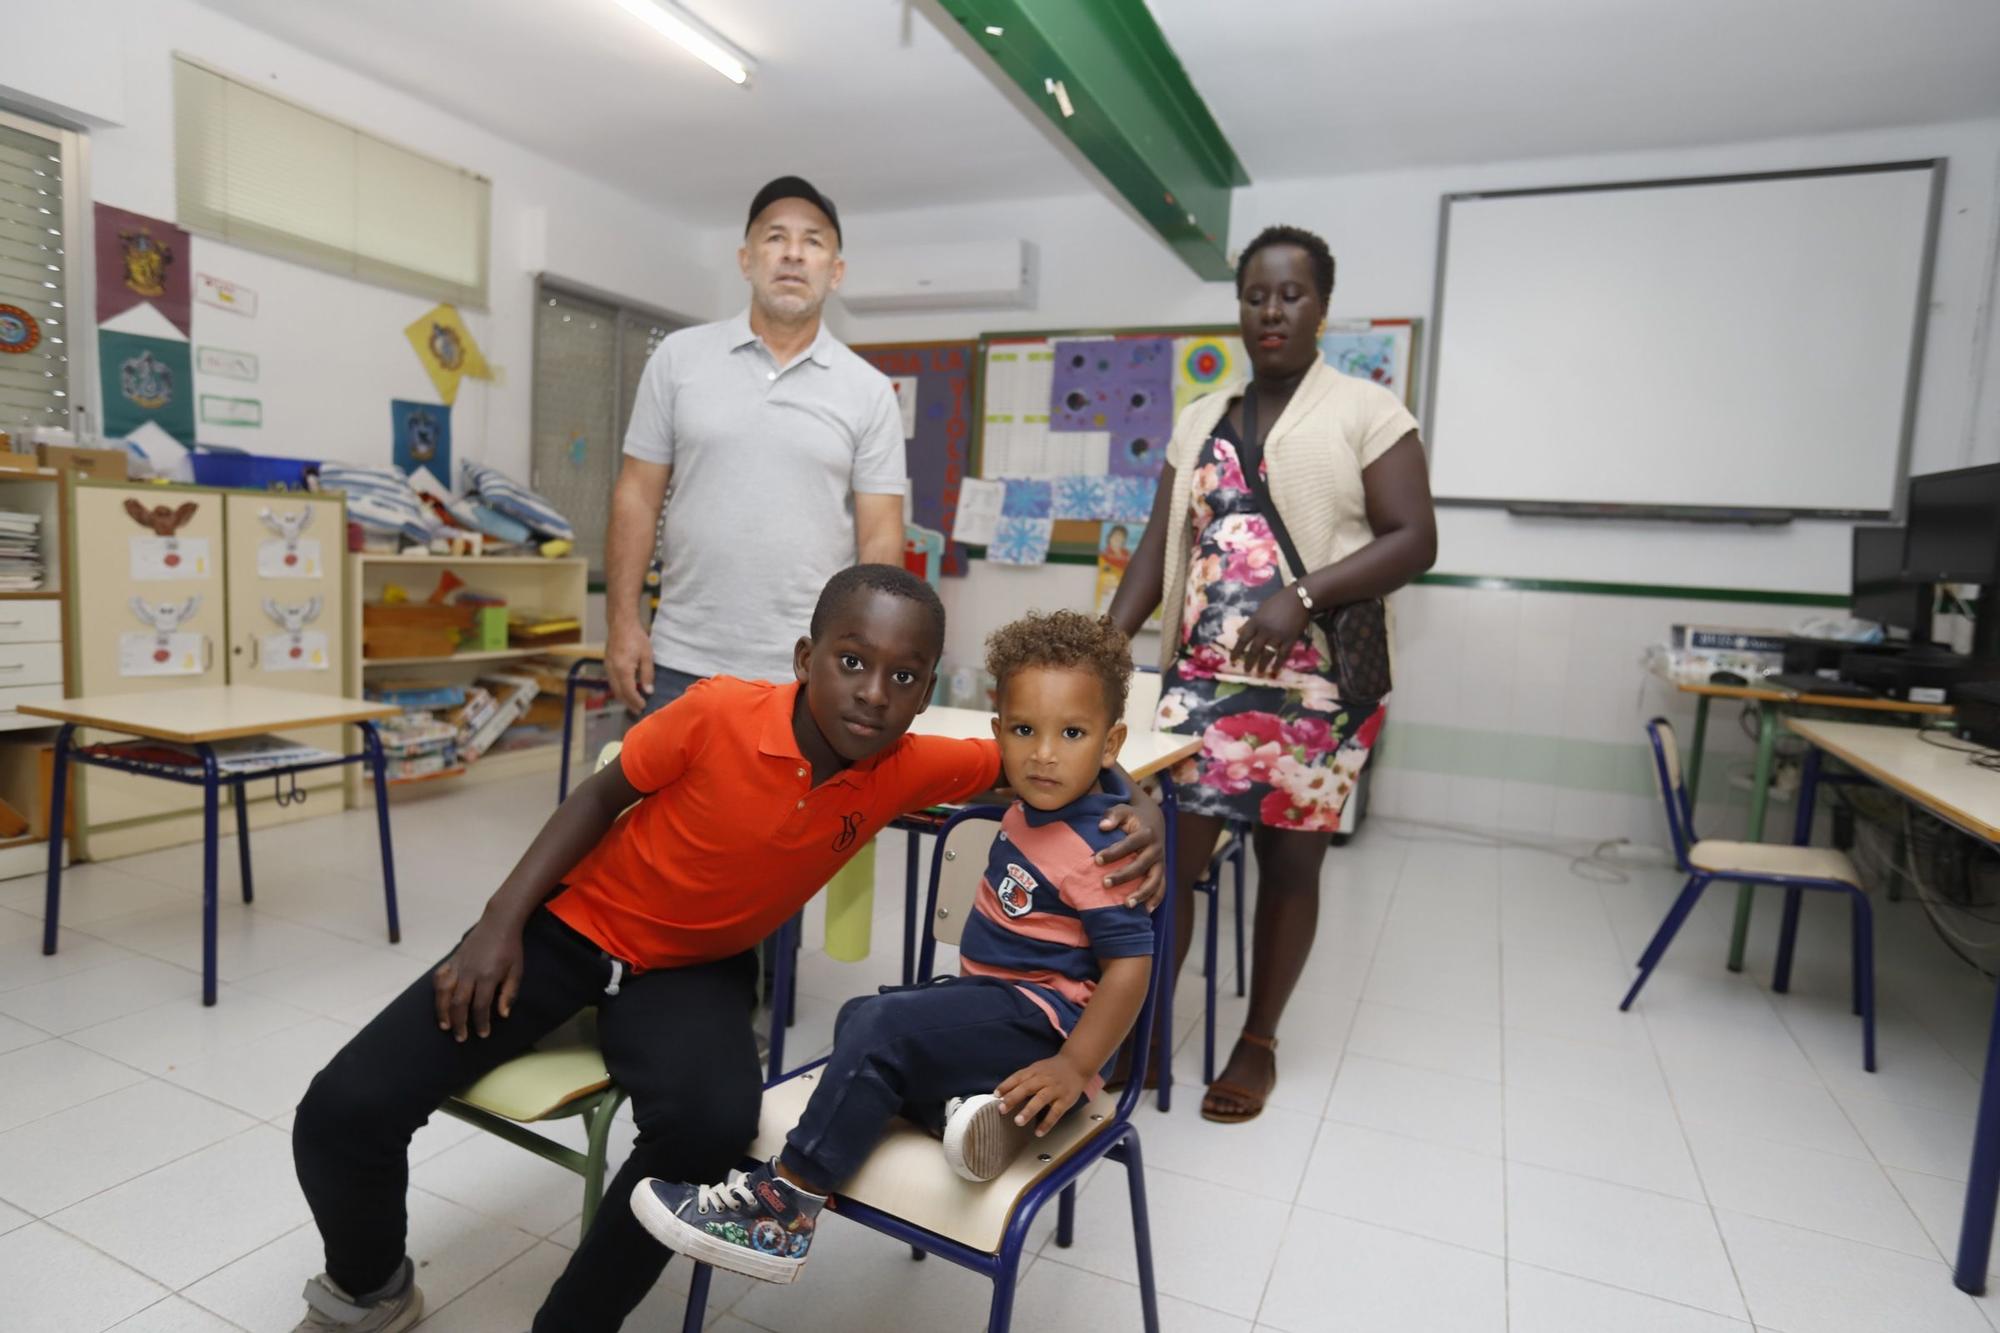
column 289, row 554
column 165, row 555
column 163, row 648
column 295, row 647
column 1114, row 554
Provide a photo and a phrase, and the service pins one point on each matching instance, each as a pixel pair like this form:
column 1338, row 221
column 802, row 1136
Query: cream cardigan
column 1335, row 426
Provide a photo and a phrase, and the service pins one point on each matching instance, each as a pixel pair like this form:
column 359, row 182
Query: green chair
column 563, row 1076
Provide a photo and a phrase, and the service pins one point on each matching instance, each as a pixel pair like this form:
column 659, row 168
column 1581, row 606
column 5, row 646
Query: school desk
column 198, row 718
column 1940, row 776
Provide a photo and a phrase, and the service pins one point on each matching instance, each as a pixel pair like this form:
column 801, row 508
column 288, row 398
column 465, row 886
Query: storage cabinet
column 176, row 587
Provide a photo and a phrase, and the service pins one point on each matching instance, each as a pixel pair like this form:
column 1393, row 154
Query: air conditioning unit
column 948, row 275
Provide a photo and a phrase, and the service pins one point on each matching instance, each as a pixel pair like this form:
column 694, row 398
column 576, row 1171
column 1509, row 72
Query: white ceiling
column 837, row 96
column 1318, row 87
column 870, row 99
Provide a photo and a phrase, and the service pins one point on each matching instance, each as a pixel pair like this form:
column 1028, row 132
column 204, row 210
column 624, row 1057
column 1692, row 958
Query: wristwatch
column 1304, row 596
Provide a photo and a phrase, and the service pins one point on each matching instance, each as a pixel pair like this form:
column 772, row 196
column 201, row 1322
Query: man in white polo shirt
column 779, row 455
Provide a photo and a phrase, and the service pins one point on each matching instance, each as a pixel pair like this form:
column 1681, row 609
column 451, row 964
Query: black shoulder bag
column 1357, row 632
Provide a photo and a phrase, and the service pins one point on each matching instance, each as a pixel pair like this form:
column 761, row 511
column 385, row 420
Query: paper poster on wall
column 226, row 363
column 906, row 401
column 165, row 555
column 978, row 516
column 937, row 419
column 1021, row 541
column 296, row 647
column 225, row 295
column 1014, row 404
column 163, row 648
column 20, row 332
column 158, row 559
column 141, row 654
column 304, row 651
column 1114, row 556
column 287, row 554
column 447, row 350
column 141, row 260
column 1380, row 350
column 218, row 410
column 145, row 379
column 1204, row 364
column 1123, row 386
column 422, row 437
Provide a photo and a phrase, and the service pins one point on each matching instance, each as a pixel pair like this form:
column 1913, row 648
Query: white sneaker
column 980, row 1139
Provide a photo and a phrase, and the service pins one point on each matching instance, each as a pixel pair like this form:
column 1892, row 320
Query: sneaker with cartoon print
column 756, row 1223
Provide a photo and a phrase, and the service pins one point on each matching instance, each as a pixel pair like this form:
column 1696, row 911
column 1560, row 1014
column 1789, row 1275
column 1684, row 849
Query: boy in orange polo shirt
column 644, row 896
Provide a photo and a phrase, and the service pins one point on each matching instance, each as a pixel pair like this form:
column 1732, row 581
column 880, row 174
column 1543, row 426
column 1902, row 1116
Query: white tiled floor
column 1466, row 1135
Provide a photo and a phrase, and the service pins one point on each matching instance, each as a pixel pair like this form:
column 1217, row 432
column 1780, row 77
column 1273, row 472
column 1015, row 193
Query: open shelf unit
column 552, row 587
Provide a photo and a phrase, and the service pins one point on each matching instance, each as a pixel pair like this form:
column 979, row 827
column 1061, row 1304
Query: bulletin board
column 1077, row 404
column 934, row 389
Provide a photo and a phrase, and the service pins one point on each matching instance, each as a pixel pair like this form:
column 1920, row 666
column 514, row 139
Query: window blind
column 258, row 171
column 34, row 384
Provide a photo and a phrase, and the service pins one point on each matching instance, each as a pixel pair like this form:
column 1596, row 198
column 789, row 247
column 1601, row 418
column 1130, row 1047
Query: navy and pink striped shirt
column 1043, row 918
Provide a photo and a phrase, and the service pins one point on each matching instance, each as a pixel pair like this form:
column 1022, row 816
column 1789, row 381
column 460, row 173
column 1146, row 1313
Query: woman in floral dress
column 1245, row 666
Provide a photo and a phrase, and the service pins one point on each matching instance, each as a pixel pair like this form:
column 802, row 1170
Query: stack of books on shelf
column 21, row 565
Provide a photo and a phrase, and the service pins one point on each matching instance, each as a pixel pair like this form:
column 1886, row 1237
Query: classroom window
column 40, row 230
column 589, row 355
column 270, row 175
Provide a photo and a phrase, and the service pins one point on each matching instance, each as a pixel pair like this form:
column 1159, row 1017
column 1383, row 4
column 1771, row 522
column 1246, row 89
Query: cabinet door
column 148, row 615
column 287, row 620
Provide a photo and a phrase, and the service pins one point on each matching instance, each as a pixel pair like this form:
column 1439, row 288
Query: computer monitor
column 1954, row 537
column 1880, row 592
column 1954, row 526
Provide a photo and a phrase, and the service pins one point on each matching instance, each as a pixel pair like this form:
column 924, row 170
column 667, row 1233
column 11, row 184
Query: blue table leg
column 211, row 798
column 378, row 763
column 242, row 837
column 1975, row 1232
column 58, row 813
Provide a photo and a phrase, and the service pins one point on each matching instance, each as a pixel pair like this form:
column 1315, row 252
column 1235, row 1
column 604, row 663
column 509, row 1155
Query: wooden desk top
column 1145, row 753
column 1762, row 694
column 575, row 652
column 1942, row 780
column 214, row 713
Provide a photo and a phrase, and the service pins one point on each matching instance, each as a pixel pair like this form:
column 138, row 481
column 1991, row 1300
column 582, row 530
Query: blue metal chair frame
column 1118, row 1140
column 1680, row 826
column 211, row 780
column 573, row 682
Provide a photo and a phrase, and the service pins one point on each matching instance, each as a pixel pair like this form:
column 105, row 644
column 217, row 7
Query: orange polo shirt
column 732, row 838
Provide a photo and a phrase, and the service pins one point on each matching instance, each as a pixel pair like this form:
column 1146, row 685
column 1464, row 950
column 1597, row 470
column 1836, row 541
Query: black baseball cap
column 792, row 187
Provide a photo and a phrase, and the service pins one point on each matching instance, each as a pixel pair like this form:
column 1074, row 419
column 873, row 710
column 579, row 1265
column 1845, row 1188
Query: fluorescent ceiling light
column 692, row 35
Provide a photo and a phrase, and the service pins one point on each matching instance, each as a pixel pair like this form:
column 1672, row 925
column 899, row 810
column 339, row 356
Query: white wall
column 1098, row 269
column 332, row 350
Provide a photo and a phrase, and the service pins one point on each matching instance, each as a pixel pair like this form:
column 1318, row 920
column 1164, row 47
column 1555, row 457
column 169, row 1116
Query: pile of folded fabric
column 380, row 499
column 492, row 493
column 395, row 509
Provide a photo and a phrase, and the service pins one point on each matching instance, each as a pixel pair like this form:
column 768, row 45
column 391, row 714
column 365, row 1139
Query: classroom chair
column 564, row 1076
column 1794, row 869
column 907, row 1191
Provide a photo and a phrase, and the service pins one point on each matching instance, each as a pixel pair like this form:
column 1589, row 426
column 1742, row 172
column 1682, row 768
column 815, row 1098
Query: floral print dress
column 1279, row 750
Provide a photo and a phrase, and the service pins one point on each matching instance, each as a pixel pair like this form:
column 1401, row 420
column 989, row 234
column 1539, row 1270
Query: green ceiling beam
column 1133, row 111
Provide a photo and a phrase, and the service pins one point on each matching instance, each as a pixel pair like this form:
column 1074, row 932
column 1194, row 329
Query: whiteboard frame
column 1913, row 376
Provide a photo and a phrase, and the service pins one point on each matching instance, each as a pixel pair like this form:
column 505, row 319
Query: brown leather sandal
column 1251, row 1102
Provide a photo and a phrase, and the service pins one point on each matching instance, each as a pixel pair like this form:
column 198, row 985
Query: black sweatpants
column 678, row 1040
column 906, row 1051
